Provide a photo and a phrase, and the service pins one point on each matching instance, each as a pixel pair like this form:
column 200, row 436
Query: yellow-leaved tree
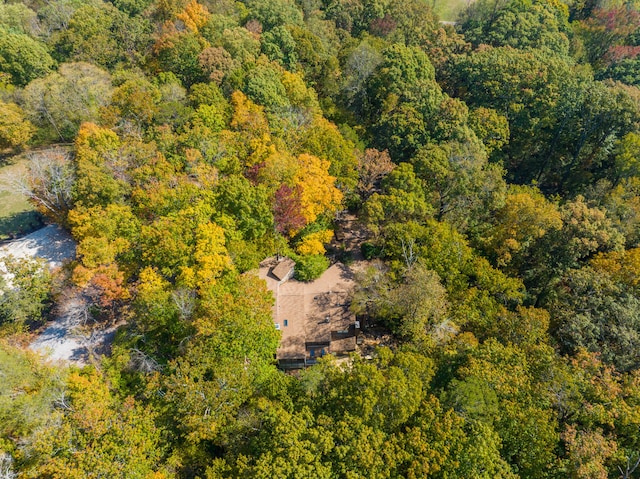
column 526, row 217
column 319, row 195
column 96, row 435
column 194, row 16
column 99, row 167
column 211, row 257
column 314, row 243
column 622, row 266
column 249, row 137
column 15, row 130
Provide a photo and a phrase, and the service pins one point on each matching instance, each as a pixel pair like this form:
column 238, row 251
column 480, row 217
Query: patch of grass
column 17, row 215
column 448, row 10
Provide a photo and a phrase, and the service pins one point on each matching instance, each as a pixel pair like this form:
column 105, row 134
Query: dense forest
column 493, row 162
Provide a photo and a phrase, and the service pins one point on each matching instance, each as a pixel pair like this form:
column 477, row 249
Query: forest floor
column 346, row 243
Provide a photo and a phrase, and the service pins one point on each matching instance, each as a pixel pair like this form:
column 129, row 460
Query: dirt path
column 350, row 234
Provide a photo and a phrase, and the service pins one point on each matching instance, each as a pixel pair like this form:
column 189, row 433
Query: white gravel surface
column 51, row 243
column 62, row 339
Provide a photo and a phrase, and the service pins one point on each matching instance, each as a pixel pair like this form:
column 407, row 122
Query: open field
column 17, row 215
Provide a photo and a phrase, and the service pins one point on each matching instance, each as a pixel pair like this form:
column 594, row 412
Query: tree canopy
column 479, row 179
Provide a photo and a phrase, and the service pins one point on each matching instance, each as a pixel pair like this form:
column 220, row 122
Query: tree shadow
column 10, row 157
column 19, row 224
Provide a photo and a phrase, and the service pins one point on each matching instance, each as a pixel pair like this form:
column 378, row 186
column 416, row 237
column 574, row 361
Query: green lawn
column 17, row 216
column 448, row 10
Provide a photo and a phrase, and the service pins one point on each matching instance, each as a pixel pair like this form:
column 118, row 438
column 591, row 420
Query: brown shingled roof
column 283, row 270
column 313, row 315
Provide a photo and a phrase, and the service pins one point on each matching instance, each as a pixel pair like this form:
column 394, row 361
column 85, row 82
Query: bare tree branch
column 47, row 183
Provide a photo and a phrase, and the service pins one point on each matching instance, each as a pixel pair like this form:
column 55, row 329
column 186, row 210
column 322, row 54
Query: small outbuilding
column 284, row 270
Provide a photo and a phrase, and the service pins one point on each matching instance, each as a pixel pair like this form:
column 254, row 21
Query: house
column 314, row 317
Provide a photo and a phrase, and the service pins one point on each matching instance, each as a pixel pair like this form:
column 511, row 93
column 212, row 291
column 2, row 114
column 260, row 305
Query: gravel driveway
column 61, row 339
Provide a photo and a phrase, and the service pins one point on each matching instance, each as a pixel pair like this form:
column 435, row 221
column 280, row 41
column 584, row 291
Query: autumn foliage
column 479, row 182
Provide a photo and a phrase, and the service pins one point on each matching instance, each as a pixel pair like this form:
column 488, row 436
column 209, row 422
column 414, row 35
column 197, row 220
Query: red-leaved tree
column 287, row 210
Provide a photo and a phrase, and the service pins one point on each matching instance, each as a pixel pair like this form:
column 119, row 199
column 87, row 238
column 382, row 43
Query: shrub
column 369, row 250
column 310, row 267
